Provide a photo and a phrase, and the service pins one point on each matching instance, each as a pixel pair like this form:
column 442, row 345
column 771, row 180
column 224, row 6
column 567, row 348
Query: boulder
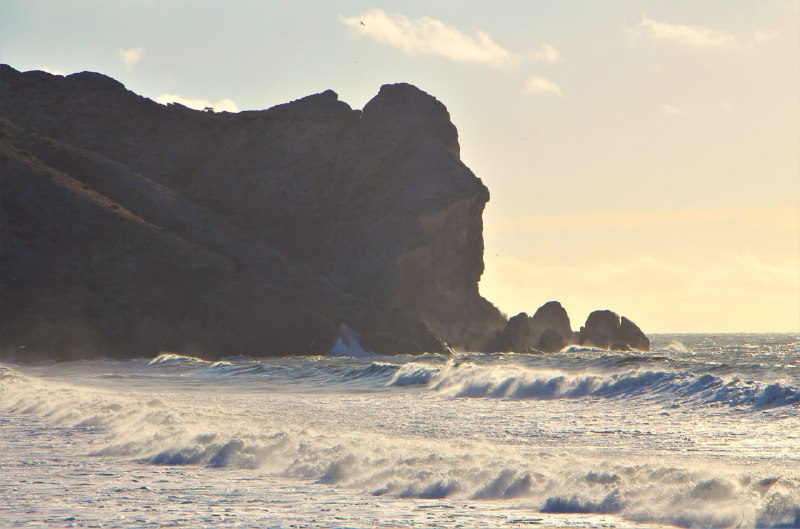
column 551, row 341
column 632, row 335
column 605, row 329
column 552, row 316
column 547, row 330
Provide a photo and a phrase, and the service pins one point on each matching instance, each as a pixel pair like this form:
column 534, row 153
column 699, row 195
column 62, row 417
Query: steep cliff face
column 302, row 217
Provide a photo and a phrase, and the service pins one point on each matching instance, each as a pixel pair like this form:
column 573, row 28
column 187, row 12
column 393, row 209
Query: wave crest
column 510, row 382
column 177, row 430
column 172, row 359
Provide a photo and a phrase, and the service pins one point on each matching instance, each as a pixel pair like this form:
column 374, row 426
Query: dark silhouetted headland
column 130, row 227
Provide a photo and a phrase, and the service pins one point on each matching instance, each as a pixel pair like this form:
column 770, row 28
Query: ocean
column 701, row 432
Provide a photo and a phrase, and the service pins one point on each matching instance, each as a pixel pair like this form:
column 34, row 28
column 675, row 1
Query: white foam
column 676, row 345
column 467, row 379
column 347, row 344
column 172, row 359
column 556, row 441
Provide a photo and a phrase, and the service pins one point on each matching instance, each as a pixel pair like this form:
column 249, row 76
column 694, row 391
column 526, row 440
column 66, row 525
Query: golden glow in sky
column 676, row 270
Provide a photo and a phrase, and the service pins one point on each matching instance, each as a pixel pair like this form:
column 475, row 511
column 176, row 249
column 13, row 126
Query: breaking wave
column 9, row 373
column 165, row 431
column 313, row 370
column 176, row 360
column 517, row 382
column 581, row 431
column 608, row 378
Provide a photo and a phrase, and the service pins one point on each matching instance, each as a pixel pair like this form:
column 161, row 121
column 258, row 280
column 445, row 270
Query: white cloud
column 131, row 57
column 546, row 53
column 690, row 36
column 535, row 86
column 199, row 104
column 52, row 71
column 762, row 37
column 671, row 110
column 699, row 37
column 428, row 36
column 666, row 268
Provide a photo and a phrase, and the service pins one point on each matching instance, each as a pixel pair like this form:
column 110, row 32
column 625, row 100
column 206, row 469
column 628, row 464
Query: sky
column 642, row 156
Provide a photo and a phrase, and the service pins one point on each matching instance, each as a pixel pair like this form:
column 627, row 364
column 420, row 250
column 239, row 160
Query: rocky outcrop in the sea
column 548, row 330
column 129, row 227
column 607, row 330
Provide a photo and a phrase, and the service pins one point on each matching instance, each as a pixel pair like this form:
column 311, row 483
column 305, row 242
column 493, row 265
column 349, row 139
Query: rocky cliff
column 130, row 227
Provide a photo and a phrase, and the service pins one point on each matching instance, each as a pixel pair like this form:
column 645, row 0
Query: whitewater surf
column 702, row 432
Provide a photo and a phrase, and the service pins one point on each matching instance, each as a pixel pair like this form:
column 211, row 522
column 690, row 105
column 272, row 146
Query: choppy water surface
column 703, row 431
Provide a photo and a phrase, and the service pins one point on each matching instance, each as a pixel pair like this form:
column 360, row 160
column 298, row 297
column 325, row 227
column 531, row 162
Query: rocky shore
column 128, row 227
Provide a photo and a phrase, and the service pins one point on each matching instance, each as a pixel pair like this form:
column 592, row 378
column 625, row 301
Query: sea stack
column 548, row 330
column 607, row 330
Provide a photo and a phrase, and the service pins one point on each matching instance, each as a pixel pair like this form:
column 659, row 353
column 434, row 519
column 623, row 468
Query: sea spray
column 462, row 379
column 678, row 446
